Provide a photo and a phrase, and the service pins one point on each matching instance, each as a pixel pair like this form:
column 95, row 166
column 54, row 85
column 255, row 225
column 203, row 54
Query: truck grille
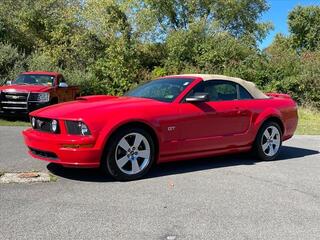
column 14, row 100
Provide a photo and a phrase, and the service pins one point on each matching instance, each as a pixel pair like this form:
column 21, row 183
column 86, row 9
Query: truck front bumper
column 11, row 110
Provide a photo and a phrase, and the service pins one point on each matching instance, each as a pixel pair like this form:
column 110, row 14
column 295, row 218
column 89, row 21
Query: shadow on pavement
column 79, row 174
column 180, row 167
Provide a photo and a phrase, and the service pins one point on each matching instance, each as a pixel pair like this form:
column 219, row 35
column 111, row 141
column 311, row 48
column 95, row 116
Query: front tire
column 268, row 141
column 130, row 154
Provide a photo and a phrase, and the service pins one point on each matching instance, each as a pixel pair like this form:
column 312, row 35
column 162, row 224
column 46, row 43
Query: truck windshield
column 165, row 90
column 34, row 79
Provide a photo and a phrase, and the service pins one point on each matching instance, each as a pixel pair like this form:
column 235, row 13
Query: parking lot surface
column 232, row 197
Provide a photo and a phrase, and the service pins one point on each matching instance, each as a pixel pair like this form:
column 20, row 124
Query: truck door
column 64, row 92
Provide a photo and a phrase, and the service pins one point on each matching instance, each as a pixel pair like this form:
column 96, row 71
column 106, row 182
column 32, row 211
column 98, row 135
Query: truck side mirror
column 63, row 85
column 8, row 82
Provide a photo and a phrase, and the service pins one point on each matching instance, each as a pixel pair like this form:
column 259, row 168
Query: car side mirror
column 63, row 85
column 8, row 82
column 198, row 97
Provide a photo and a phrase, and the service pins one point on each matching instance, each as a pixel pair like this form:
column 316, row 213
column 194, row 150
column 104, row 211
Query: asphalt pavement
column 232, row 197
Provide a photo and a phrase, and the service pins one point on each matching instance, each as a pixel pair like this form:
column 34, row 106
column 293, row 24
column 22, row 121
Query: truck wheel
column 268, row 141
column 130, row 154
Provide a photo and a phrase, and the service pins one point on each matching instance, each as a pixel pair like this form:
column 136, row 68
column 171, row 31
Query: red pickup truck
column 34, row 90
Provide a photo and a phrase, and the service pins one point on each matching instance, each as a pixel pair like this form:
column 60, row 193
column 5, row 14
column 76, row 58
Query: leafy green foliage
column 238, row 17
column 304, row 26
column 11, row 62
column 109, row 46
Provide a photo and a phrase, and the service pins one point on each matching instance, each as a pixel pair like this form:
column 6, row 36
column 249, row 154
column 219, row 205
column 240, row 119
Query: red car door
column 222, row 122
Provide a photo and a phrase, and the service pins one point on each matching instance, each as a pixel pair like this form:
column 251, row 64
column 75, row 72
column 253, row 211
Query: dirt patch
column 25, row 177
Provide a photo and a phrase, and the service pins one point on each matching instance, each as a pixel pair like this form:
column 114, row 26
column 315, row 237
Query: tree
column 238, row 17
column 304, row 27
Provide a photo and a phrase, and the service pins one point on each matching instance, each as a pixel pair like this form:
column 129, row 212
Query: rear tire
column 268, row 142
column 129, row 155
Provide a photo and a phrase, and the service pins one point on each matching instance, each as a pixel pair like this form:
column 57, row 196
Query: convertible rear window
column 165, row 89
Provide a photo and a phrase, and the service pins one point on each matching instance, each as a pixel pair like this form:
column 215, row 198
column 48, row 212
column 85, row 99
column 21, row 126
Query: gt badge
column 171, row 128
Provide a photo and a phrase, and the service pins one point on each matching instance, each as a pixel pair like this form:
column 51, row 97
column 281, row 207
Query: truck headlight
column 77, row 128
column 43, row 97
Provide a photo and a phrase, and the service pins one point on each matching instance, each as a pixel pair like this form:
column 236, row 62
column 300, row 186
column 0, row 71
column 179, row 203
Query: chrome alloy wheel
column 132, row 153
column 271, row 141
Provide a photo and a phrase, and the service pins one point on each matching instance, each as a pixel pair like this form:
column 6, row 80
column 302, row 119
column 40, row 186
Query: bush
column 84, row 79
column 12, row 62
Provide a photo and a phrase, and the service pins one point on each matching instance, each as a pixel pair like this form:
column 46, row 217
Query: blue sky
column 278, row 13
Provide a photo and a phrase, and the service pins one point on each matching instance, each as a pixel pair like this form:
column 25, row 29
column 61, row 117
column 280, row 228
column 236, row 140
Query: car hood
column 25, row 88
column 91, row 107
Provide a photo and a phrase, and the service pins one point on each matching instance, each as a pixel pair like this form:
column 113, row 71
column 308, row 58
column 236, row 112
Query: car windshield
column 34, row 79
column 165, row 90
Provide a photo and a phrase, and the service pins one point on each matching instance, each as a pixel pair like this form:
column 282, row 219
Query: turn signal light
column 77, row 145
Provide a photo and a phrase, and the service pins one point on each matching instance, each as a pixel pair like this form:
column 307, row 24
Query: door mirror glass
column 8, row 82
column 63, row 85
column 198, row 97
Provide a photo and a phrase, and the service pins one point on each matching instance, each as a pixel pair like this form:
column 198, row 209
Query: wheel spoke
column 265, row 146
column 124, row 144
column 137, row 140
column 135, row 166
column 274, row 132
column 266, row 133
column 144, row 153
column 276, row 142
column 122, row 161
column 271, row 150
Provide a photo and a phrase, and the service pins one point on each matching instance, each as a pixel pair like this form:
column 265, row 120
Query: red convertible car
column 169, row 119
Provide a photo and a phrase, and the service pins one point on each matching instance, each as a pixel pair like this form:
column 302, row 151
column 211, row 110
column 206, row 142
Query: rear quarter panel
column 284, row 109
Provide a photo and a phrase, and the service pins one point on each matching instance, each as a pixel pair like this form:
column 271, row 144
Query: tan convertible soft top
column 249, row 86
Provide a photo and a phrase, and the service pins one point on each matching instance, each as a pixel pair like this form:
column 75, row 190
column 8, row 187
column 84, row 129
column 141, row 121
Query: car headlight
column 54, row 126
column 77, row 128
column 43, row 97
column 33, row 122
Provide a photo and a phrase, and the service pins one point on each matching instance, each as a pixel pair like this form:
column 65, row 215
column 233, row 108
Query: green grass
column 309, row 122
column 11, row 122
column 53, row 178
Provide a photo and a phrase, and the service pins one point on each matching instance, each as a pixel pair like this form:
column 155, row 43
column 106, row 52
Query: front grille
column 43, row 154
column 44, row 125
column 14, row 100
